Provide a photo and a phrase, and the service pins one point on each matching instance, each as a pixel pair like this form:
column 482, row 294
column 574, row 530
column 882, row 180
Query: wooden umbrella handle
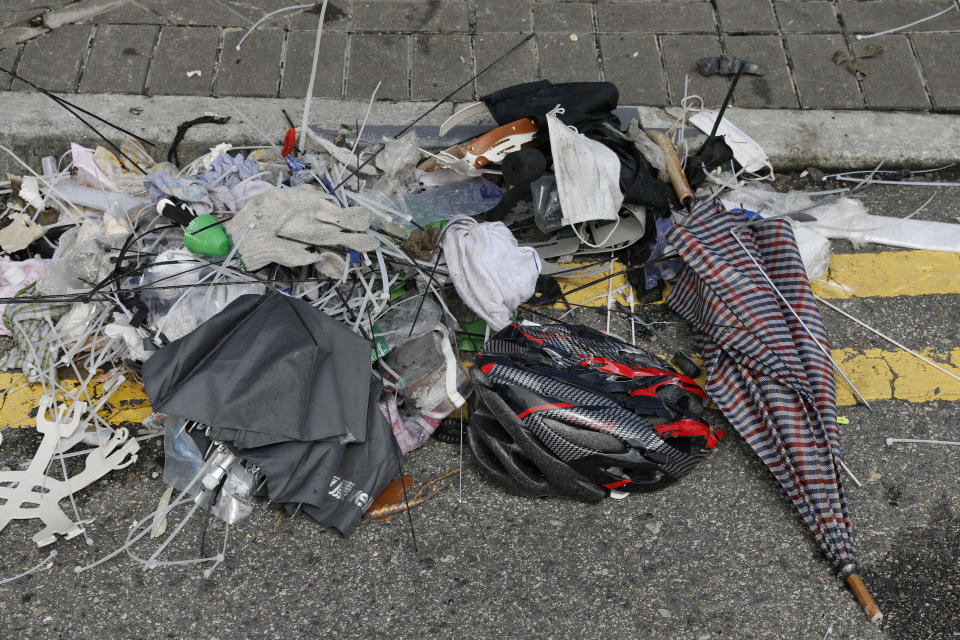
column 864, row 598
column 674, row 170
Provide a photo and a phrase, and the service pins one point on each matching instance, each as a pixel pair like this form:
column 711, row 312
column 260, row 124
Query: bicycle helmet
column 568, row 411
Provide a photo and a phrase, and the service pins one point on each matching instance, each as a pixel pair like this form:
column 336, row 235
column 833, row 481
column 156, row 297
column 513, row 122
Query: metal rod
column 850, row 473
column 887, row 338
column 800, row 320
column 434, row 107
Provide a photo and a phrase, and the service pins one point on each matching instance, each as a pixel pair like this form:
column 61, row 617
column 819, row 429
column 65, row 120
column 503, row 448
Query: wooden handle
column 674, row 170
column 864, row 598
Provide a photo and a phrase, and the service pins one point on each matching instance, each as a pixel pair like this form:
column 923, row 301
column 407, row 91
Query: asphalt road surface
column 717, row 555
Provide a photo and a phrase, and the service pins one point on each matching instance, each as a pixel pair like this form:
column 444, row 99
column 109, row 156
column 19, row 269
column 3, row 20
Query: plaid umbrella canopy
column 765, row 371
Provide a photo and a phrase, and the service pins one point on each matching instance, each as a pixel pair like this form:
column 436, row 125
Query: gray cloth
column 280, row 226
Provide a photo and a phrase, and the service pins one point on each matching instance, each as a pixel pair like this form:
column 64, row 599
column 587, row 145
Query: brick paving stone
column 53, row 61
column 339, row 17
column 565, row 60
column 574, row 17
column 377, row 58
column 299, row 61
column 807, row 16
column 119, row 59
column 774, row 89
column 201, row 13
column 747, row 16
column 503, row 16
column 8, row 60
column 821, row 83
column 938, row 59
column 656, row 18
column 633, row 64
column 255, row 69
column 170, row 65
column 893, row 78
column 680, row 54
column 519, row 66
column 441, row 63
column 416, row 15
column 222, row 13
column 879, row 15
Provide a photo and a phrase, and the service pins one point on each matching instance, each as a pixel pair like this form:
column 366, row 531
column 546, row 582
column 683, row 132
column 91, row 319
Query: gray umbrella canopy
column 272, row 367
column 290, row 390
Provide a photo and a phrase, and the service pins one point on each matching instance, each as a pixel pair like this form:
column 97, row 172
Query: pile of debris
column 304, row 314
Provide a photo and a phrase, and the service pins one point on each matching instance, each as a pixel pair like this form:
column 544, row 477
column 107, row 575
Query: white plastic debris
column 30, row 192
column 848, row 219
column 19, row 234
column 30, row 493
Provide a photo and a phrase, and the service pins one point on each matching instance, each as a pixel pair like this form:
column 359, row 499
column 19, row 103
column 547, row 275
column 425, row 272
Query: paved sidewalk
column 422, row 49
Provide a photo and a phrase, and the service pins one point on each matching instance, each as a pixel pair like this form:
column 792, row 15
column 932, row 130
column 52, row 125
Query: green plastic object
column 212, row 241
column 473, row 333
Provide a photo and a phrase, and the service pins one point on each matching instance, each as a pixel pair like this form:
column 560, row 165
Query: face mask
column 587, row 173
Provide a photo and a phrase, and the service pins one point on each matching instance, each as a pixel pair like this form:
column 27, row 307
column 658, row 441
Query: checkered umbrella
column 767, row 366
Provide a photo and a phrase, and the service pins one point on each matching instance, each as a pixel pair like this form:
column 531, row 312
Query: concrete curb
column 34, row 126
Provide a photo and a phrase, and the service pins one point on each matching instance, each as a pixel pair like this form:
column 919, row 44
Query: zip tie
column 906, row 26
column 609, row 294
column 906, row 183
column 892, row 441
column 53, row 554
column 460, row 496
column 313, row 76
column 850, row 473
column 270, row 15
column 362, row 127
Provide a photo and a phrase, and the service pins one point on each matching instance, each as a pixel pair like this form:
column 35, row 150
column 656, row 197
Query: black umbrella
column 290, row 390
column 270, row 366
column 333, row 483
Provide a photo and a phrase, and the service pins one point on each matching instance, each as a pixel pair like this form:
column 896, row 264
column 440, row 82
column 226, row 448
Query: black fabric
column 519, row 168
column 270, row 365
column 638, row 180
column 714, row 152
column 587, row 105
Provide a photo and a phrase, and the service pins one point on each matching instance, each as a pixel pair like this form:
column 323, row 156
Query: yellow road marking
column 886, row 375
column 596, row 295
column 129, row 403
column 890, row 273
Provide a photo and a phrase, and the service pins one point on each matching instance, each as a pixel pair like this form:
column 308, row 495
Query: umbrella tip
column 866, row 600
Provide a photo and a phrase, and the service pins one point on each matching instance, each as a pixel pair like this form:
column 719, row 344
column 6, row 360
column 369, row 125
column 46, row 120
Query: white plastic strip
column 907, row 26
column 313, row 75
column 892, row 441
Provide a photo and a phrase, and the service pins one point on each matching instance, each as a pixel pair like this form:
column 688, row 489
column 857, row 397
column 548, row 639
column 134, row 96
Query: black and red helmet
column 568, row 411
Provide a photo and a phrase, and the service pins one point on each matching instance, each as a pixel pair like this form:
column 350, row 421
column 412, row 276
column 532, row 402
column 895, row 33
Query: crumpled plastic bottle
column 446, row 201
